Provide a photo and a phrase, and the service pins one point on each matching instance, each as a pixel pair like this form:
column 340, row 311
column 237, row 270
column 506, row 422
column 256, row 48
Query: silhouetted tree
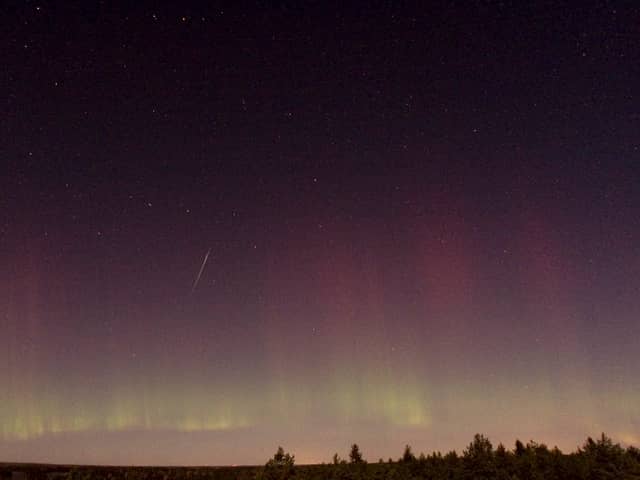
column 604, row 459
column 408, row 455
column 557, row 468
column 519, row 450
column 355, row 456
column 279, row 467
column 634, row 453
column 478, row 459
column 502, row 457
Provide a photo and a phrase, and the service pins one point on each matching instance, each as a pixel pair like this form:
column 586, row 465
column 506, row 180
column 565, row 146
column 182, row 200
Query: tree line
column 599, row 459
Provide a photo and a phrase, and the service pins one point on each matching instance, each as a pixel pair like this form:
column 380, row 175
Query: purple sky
column 422, row 224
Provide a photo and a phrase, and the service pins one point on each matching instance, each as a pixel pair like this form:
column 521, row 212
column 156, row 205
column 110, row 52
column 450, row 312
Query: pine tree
column 355, row 456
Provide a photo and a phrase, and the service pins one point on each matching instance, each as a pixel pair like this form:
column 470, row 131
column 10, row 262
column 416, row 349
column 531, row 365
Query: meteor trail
column 204, row 262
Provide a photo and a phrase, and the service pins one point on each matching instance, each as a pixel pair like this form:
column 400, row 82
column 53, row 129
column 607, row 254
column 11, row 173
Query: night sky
column 422, row 224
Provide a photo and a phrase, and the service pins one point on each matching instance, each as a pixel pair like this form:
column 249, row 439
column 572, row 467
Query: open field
column 49, row 472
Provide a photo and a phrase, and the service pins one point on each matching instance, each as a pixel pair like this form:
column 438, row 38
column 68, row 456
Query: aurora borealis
column 422, row 225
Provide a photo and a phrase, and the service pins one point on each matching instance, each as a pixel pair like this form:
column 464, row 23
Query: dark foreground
column 595, row 460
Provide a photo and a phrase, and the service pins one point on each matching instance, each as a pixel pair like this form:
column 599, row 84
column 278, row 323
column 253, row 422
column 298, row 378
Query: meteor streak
column 197, row 280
